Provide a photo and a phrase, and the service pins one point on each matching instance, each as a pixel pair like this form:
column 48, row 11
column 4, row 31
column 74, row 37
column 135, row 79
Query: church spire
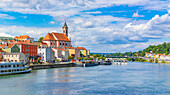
column 65, row 24
column 65, row 29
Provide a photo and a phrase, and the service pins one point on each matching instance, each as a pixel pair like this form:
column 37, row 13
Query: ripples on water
column 131, row 79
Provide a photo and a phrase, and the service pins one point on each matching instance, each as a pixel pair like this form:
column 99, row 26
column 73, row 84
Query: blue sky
column 99, row 25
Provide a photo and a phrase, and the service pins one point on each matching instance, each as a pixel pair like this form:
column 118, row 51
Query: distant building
column 24, row 38
column 45, row 54
column 14, row 57
column 5, row 40
column 10, row 48
column 60, row 40
column 41, row 44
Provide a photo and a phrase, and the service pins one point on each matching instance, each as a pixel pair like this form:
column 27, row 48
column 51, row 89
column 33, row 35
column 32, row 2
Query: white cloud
column 96, row 12
column 137, row 15
column 5, row 35
column 5, row 16
column 52, row 22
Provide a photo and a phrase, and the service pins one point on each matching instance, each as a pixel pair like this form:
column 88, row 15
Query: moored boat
column 119, row 62
column 87, row 64
column 8, row 68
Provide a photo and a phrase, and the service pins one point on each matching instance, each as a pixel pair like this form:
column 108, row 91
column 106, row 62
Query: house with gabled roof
column 24, row 38
column 10, row 48
column 60, row 40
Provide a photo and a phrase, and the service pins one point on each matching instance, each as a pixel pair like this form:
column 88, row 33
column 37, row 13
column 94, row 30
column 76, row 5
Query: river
column 136, row 78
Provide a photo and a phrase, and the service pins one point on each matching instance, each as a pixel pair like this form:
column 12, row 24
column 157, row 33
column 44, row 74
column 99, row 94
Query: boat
column 9, row 68
column 87, row 64
column 119, row 62
column 107, row 63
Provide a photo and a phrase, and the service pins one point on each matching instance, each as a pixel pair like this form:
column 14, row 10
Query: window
column 66, row 44
column 60, row 43
column 63, row 44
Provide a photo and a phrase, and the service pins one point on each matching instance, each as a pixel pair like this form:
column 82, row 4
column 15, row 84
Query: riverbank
column 53, row 65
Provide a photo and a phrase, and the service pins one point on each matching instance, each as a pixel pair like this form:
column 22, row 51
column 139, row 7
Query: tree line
column 157, row 49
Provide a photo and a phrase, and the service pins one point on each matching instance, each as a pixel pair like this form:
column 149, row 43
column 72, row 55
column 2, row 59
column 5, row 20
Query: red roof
column 70, row 47
column 22, row 37
column 25, row 43
column 1, row 50
column 81, row 48
column 9, row 45
column 60, row 49
column 48, row 37
column 56, row 36
column 52, row 50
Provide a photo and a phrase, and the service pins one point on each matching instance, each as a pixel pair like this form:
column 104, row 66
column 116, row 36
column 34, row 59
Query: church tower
column 65, row 29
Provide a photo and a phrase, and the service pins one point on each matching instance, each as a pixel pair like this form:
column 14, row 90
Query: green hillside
column 161, row 49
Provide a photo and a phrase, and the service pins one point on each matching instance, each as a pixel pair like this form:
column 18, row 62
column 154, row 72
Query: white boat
column 8, row 68
column 119, row 62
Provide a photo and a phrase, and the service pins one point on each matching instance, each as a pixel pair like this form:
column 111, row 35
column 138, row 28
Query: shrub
column 156, row 60
column 163, row 61
column 150, row 60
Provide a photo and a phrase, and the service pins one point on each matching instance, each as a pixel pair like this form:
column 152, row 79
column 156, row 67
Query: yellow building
column 83, row 51
column 74, row 52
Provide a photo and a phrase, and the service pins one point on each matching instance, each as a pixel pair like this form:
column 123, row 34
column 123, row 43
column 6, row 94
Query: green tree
column 70, row 57
column 38, row 61
column 80, row 58
column 40, row 39
column 163, row 61
column 150, row 60
column 156, row 60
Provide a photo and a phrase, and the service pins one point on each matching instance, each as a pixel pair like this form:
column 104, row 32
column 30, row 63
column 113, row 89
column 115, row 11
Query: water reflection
column 64, row 76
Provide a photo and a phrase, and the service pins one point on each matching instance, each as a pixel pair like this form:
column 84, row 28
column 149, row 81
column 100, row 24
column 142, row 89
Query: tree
column 156, row 60
column 38, row 61
column 80, row 58
column 70, row 57
column 163, row 61
column 40, row 39
column 150, row 60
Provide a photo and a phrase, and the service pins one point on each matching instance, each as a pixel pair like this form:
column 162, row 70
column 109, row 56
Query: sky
column 103, row 26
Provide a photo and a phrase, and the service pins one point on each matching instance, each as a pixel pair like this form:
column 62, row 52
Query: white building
column 61, row 54
column 45, row 54
column 14, row 57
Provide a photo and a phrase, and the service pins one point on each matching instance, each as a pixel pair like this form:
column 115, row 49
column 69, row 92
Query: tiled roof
column 70, row 47
column 48, row 37
column 56, row 36
column 81, row 48
column 60, row 49
column 25, row 43
column 61, row 36
column 1, row 50
column 9, row 45
column 22, row 37
column 52, row 50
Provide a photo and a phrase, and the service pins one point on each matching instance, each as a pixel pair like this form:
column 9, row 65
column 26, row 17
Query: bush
column 80, row 58
column 129, row 59
column 156, row 60
column 163, row 61
column 150, row 60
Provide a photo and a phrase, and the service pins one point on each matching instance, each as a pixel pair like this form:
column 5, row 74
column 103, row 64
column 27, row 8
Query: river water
column 132, row 79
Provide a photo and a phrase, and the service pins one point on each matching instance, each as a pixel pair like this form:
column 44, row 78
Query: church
column 60, row 40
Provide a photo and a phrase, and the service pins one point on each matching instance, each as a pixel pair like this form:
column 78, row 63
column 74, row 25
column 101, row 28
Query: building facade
column 14, row 57
column 45, row 54
column 29, row 49
column 10, row 48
